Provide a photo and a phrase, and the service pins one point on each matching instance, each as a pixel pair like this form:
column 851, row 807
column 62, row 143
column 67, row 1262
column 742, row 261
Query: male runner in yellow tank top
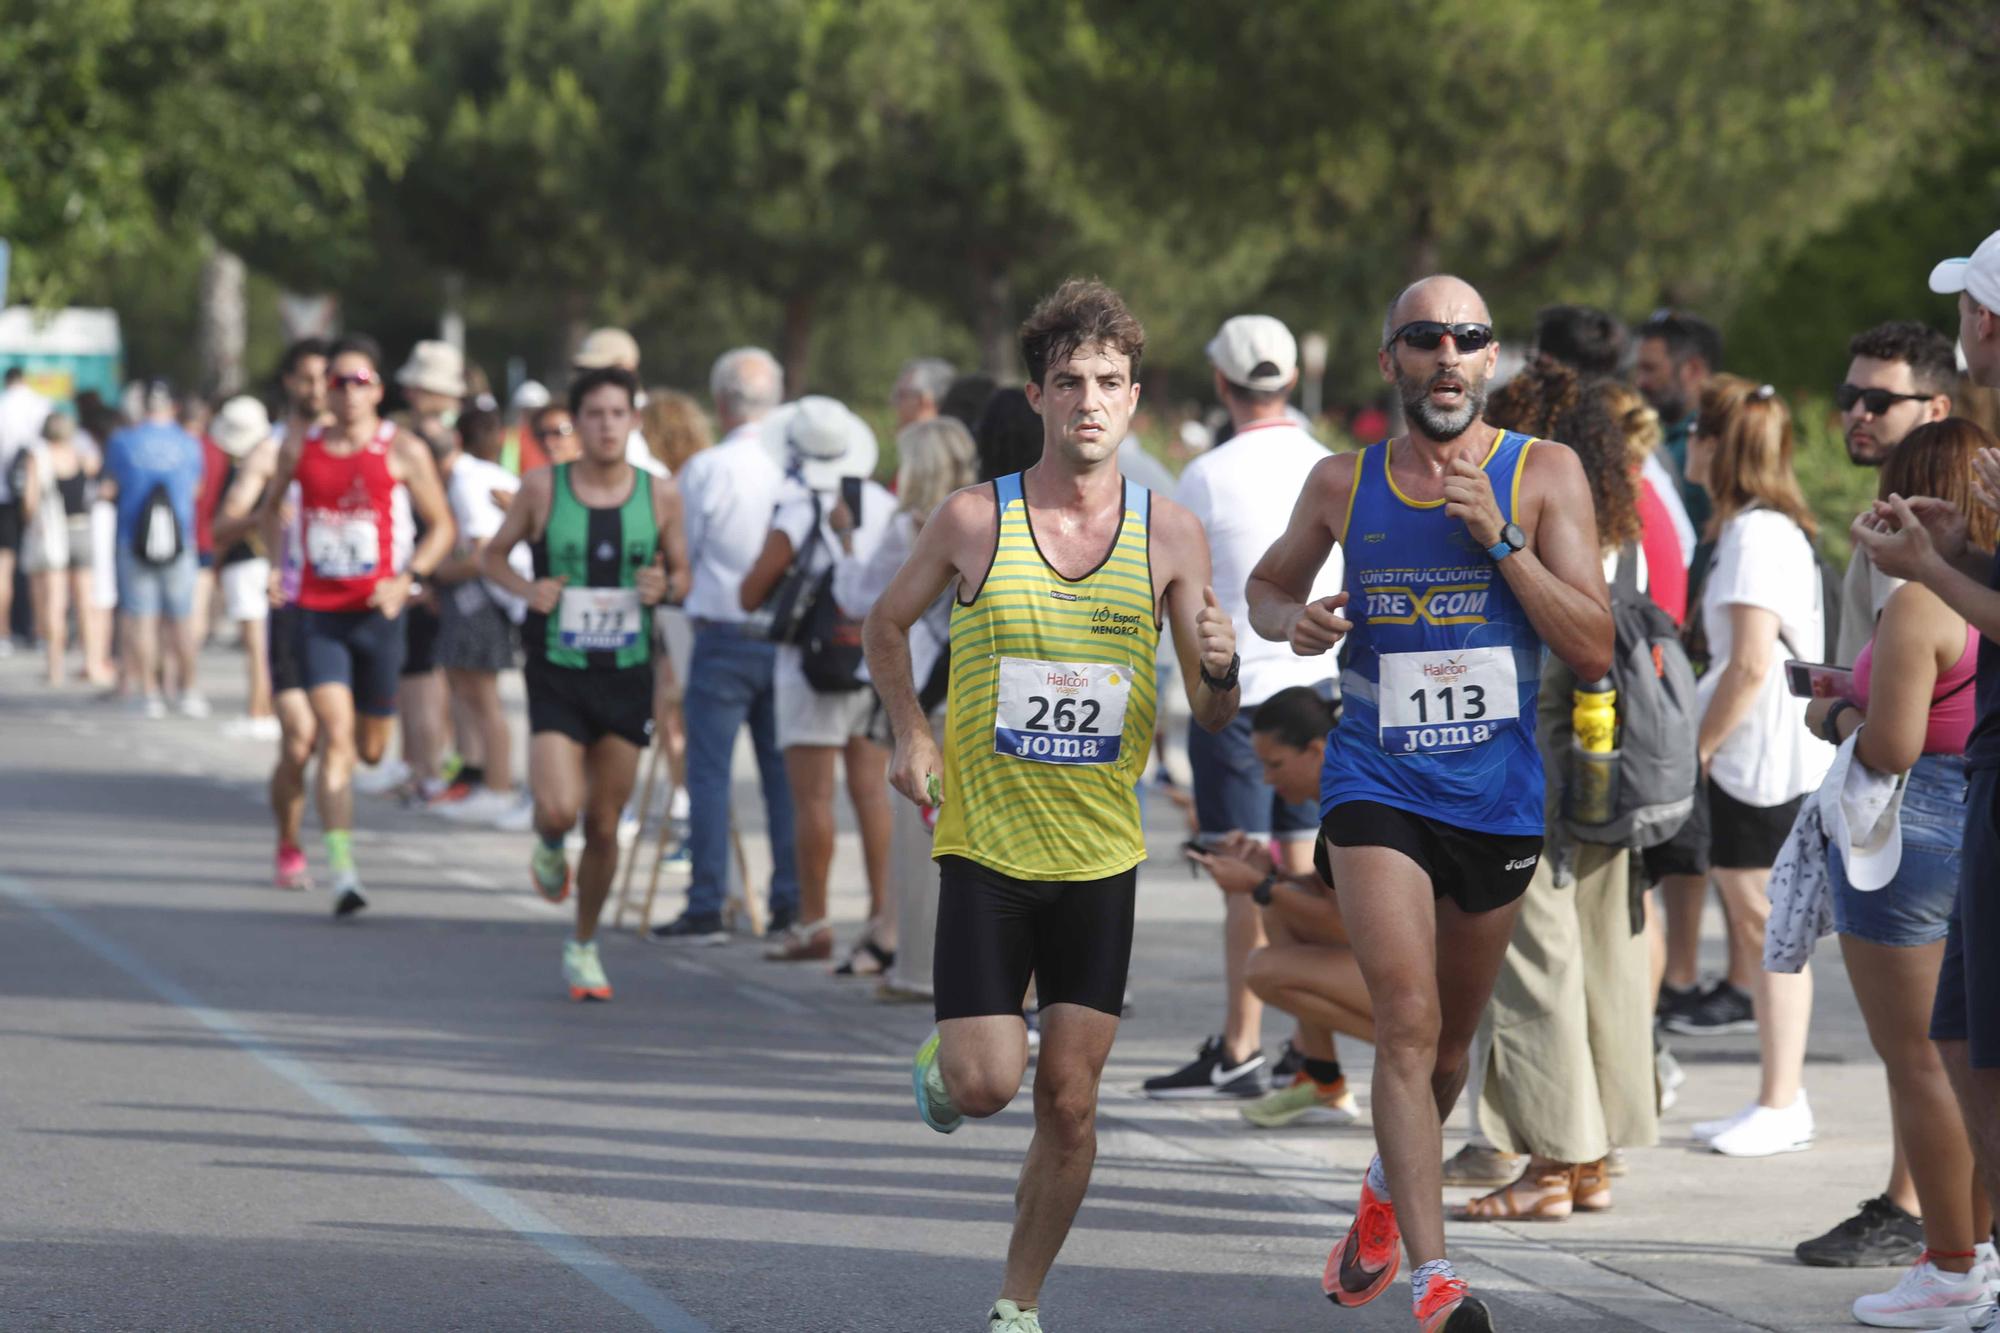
column 1064, row 573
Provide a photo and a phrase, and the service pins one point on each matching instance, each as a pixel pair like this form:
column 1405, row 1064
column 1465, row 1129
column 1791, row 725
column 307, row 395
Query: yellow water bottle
column 1594, row 767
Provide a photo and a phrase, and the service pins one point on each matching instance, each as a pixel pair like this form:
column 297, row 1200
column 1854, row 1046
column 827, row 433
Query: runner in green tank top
column 608, row 547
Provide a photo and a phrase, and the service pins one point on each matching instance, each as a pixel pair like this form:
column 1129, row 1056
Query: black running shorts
column 1478, row 871
column 994, row 932
column 288, row 662
column 420, row 640
column 590, row 703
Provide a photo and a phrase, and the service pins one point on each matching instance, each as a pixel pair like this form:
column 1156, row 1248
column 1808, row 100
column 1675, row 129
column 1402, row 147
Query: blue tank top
column 1441, row 670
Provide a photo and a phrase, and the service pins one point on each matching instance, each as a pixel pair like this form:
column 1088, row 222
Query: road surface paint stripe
column 603, row 1272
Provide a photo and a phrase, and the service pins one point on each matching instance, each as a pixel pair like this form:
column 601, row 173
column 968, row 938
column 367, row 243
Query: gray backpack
column 1655, row 769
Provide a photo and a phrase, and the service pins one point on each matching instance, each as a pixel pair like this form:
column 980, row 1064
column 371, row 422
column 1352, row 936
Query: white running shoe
column 1767, row 1131
column 516, row 815
column 481, row 807
column 1986, row 1259
column 1926, row 1297
column 383, row 777
column 347, row 895
column 1704, row 1130
column 151, row 706
column 194, row 704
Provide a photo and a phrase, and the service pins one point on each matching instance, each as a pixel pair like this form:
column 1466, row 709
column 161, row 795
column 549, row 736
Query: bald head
column 1442, row 297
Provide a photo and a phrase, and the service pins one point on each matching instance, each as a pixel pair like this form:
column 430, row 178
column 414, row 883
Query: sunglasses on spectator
column 1877, row 401
column 555, row 432
column 1426, row 334
column 352, row 379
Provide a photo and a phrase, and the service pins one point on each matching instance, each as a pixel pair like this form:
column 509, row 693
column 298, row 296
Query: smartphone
column 850, row 495
column 1810, row 680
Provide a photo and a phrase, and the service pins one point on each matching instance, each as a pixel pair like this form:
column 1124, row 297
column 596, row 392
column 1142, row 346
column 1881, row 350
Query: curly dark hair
column 1549, row 400
column 1083, row 312
column 1931, row 357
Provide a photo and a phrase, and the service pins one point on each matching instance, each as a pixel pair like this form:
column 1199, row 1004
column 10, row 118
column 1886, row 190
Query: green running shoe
column 1008, row 1317
column 548, row 867
column 583, row 972
column 1301, row 1102
column 933, row 1102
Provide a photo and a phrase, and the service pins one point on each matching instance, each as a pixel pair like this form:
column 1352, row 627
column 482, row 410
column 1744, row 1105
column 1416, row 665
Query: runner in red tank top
column 351, row 594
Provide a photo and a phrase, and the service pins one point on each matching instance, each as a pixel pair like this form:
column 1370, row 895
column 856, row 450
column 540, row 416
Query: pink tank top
column 1951, row 698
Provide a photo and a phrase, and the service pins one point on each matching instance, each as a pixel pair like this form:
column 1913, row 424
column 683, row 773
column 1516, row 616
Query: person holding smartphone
column 1911, row 700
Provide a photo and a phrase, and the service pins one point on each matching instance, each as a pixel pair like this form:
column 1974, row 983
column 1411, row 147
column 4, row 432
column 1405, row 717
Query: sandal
column 1541, row 1195
column 867, row 949
column 1590, row 1186
column 806, row 942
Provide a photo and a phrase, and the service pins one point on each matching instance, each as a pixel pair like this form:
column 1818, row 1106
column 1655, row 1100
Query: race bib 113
column 1434, row 703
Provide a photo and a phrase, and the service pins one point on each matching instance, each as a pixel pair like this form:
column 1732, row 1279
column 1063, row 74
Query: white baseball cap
column 1255, row 352
column 1979, row 275
column 607, row 347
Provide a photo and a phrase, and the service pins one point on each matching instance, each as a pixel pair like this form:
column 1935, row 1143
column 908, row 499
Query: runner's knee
column 1407, row 1026
column 980, row 1093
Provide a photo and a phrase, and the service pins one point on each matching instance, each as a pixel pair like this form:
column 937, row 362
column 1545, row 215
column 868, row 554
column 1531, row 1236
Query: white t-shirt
column 1763, row 559
column 640, row 456
column 1243, row 492
column 22, row 413
column 727, row 493
column 470, row 492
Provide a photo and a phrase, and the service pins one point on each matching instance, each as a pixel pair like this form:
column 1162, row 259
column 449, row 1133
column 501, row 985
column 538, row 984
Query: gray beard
column 1440, row 425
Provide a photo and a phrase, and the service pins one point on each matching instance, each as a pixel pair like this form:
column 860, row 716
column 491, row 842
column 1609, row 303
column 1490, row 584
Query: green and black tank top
column 599, row 625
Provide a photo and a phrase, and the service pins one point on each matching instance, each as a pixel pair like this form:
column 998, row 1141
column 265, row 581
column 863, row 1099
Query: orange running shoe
column 1366, row 1260
column 1446, row 1308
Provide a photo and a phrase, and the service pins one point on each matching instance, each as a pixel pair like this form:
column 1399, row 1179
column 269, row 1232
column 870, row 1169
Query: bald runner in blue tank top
column 1441, row 669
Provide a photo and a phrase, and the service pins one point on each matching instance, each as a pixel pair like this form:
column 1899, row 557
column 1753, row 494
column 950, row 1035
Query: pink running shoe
column 292, row 870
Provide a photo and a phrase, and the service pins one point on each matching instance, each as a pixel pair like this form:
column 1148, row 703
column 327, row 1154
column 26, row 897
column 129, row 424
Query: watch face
column 1514, row 537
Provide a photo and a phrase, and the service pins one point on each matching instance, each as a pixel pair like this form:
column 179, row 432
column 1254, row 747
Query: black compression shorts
column 994, row 931
column 1478, row 871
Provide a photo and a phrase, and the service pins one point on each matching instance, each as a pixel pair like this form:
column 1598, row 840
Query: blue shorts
column 155, row 590
column 1968, row 993
column 1915, row 906
column 1230, row 793
column 362, row 650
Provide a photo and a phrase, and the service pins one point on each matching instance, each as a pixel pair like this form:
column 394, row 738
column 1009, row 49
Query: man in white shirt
column 1242, row 493
column 729, row 493
column 920, row 389
column 22, row 412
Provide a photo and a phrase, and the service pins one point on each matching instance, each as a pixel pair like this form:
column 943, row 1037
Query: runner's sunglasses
column 352, row 380
column 1426, row 334
column 1877, row 401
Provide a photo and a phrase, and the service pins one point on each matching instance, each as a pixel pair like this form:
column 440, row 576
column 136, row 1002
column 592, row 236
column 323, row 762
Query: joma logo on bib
column 1422, row 740
column 1060, row 749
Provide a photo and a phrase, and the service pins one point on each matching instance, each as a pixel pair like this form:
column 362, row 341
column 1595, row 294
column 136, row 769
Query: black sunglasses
column 1426, row 334
column 1877, row 401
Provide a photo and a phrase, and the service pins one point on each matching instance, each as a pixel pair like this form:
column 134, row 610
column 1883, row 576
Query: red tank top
column 347, row 519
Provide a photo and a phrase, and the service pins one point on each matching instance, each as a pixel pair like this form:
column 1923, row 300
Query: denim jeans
column 730, row 683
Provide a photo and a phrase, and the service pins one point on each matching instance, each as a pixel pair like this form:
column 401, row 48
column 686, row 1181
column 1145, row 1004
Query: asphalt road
column 219, row 1109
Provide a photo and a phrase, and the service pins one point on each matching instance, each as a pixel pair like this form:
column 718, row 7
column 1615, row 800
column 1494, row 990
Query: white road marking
column 658, row 1310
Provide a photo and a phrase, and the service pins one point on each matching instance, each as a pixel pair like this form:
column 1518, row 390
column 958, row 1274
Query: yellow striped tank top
column 1050, row 714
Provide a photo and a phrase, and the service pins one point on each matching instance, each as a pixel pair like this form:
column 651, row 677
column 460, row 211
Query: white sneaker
column 1980, row 1319
column 1767, row 1131
column 194, row 704
column 1926, row 1296
column 383, row 777
column 251, row 729
column 481, row 807
column 1705, row 1130
column 1986, row 1260
column 517, row 815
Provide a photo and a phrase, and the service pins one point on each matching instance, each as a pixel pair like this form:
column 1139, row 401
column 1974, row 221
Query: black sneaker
column 693, row 928
column 1290, row 1062
column 1721, row 1011
column 1210, row 1075
column 779, row 921
column 1881, row 1235
column 1675, row 1000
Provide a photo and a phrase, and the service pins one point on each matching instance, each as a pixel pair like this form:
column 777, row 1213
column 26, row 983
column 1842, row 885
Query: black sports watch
column 1227, row 682
column 1261, row 895
column 1512, row 539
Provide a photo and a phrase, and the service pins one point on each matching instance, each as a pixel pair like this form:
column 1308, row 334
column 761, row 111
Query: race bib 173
column 1061, row 712
column 599, row 619
column 1434, row 703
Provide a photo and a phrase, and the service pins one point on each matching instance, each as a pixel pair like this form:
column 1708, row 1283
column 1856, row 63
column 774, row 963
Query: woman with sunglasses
column 1760, row 605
